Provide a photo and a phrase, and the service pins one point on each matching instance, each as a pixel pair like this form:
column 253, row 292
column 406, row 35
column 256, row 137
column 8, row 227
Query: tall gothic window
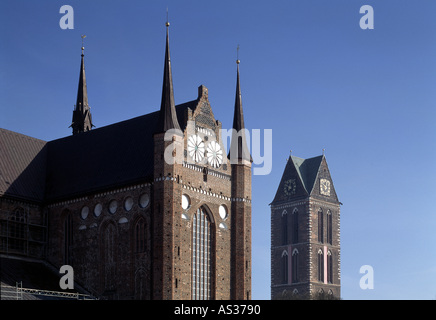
column 320, row 226
column 284, row 267
column 68, row 238
column 140, row 233
column 201, row 256
column 284, row 227
column 295, row 226
column 320, row 265
column 18, row 230
column 329, row 227
column 295, row 266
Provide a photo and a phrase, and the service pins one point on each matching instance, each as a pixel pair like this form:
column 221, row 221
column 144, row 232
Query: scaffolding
column 20, row 293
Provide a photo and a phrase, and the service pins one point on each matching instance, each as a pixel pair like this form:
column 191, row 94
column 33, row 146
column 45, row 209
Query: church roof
column 304, row 172
column 111, row 156
column 22, row 166
column 307, row 170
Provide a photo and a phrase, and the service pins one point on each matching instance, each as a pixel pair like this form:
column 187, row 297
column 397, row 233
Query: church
column 169, row 217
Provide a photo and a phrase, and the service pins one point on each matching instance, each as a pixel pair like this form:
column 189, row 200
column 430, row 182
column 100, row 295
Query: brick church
column 169, row 217
column 305, row 233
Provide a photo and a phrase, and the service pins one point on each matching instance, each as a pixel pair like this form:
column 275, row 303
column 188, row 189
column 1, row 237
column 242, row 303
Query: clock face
column 196, row 148
column 290, row 187
column 324, row 187
column 214, row 154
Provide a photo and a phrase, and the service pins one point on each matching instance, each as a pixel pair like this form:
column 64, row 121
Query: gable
column 292, row 183
column 323, row 187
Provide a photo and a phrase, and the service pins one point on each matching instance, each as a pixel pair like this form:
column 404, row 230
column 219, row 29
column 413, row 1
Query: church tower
column 240, row 160
column 167, row 190
column 82, row 119
column 305, row 232
column 201, row 200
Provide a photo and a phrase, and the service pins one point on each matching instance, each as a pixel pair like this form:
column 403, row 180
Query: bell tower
column 305, row 233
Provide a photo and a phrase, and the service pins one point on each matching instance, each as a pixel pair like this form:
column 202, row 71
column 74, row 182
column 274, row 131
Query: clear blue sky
column 308, row 72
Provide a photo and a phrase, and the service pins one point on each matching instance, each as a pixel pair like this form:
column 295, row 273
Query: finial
column 167, row 23
column 83, row 48
column 323, row 151
column 237, row 55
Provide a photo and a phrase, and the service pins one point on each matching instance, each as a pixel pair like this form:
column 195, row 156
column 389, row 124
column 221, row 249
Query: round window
column 186, row 202
column 97, row 209
column 223, row 212
column 84, row 213
column 113, row 206
column 128, row 203
column 144, row 200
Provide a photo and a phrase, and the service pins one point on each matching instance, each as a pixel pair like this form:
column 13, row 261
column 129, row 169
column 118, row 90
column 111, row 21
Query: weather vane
column 167, row 23
column 237, row 55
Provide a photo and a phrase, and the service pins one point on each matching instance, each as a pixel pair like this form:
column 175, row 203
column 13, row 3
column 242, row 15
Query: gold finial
column 237, row 55
column 83, row 37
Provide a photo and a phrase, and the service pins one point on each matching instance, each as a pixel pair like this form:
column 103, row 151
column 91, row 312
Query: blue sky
column 308, row 72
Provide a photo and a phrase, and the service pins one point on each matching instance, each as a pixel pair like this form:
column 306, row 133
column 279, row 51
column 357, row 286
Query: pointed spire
column 239, row 142
column 82, row 120
column 167, row 116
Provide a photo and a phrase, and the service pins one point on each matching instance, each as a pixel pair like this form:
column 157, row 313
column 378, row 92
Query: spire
column 82, row 120
column 167, row 116
column 239, row 142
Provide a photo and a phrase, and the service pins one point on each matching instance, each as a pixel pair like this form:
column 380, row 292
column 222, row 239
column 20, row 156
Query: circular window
column 84, row 213
column 144, row 200
column 223, row 212
column 97, row 209
column 128, row 203
column 113, row 206
column 186, row 202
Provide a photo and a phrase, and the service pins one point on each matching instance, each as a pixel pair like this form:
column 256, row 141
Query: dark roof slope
column 111, row 156
column 22, row 166
column 103, row 158
column 308, row 170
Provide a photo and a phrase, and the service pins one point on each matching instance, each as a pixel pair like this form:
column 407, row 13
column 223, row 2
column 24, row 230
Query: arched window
column 140, row 236
column 294, row 266
column 295, row 226
column 284, row 264
column 18, row 230
column 329, row 227
column 284, row 227
column 201, row 255
column 320, row 226
column 329, row 267
column 320, row 265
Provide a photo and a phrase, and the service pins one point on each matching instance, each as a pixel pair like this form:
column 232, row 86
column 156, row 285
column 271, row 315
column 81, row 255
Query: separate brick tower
column 305, row 233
